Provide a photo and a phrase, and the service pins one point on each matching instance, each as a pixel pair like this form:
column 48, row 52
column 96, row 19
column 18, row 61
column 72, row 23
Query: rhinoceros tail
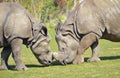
column 4, row 42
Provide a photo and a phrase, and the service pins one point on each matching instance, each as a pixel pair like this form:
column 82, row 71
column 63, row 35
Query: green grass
column 109, row 67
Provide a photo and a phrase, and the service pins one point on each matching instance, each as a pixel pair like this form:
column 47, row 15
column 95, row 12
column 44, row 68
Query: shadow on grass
column 107, row 58
column 56, row 63
column 12, row 67
column 110, row 57
column 35, row 66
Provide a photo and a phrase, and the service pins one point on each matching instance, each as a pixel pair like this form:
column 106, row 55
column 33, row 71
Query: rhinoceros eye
column 63, row 48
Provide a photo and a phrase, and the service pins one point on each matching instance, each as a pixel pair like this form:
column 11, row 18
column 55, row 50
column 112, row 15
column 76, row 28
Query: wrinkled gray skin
column 17, row 27
column 88, row 22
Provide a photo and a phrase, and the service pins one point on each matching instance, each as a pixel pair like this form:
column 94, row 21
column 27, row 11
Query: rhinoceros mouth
column 44, row 62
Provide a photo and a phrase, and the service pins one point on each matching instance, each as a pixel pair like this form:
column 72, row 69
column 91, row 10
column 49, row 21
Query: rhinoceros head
column 67, row 42
column 40, row 44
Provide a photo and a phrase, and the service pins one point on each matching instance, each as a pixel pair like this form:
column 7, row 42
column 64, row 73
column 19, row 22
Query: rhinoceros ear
column 44, row 30
column 58, row 26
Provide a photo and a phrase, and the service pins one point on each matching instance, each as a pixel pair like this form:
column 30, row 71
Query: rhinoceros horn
column 58, row 26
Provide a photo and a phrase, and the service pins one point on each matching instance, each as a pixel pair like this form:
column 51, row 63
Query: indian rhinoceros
column 18, row 27
column 88, row 22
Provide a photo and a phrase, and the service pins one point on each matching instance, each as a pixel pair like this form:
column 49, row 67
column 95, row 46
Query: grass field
column 109, row 67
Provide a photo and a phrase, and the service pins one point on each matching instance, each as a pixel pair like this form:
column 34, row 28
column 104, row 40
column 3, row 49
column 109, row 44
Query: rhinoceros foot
column 78, row 59
column 3, row 67
column 93, row 59
column 22, row 67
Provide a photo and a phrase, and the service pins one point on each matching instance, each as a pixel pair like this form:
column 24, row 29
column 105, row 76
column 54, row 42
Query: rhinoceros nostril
column 49, row 62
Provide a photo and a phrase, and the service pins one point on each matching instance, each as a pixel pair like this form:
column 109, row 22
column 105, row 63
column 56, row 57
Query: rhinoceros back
column 99, row 16
column 111, row 12
column 14, row 21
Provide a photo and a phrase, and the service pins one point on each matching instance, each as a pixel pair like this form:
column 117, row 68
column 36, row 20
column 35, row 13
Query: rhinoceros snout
column 54, row 55
column 46, row 62
column 59, row 57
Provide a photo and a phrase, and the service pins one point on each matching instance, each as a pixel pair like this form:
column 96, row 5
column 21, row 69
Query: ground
column 108, row 67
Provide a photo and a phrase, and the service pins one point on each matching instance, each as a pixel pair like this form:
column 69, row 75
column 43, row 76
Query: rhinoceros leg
column 4, row 58
column 95, row 51
column 16, row 46
column 85, row 43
